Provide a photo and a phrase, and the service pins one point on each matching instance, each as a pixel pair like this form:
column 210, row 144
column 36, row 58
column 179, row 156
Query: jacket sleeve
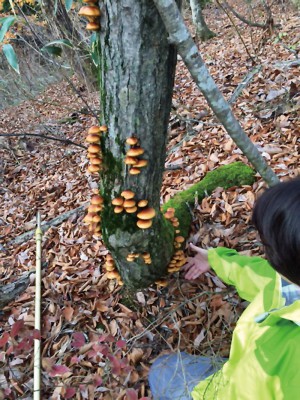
column 249, row 275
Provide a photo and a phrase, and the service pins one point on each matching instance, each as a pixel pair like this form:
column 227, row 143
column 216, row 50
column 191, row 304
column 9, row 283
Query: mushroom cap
column 137, row 151
column 94, row 208
column 142, row 203
column 96, row 161
column 147, row 213
column 144, row 224
column 168, row 215
column 134, row 171
column 94, row 148
column 92, row 26
column 97, row 199
column 89, row 217
column 109, row 267
column 91, row 155
column 93, row 168
column 175, row 224
column 109, row 257
column 171, row 209
column 129, row 203
column 118, row 201
column 130, row 161
column 118, row 209
column 131, row 210
column 128, row 194
column 103, row 128
column 89, row 11
column 113, row 274
column 132, row 141
column 162, row 282
column 96, row 218
column 94, row 130
column 146, row 255
column 141, row 163
column 92, row 138
column 109, row 262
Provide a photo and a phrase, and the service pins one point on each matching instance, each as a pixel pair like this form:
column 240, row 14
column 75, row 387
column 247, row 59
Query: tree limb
column 10, row 291
column 180, row 36
column 66, row 141
column 243, row 19
column 46, row 225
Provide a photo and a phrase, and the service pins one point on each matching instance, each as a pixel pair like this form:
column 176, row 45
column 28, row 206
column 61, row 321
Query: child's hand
column 196, row 265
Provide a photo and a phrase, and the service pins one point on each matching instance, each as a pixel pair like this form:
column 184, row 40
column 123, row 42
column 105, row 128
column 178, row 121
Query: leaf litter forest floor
column 96, row 345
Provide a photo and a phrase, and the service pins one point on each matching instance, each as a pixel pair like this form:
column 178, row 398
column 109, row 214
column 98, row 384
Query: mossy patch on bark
column 226, row 176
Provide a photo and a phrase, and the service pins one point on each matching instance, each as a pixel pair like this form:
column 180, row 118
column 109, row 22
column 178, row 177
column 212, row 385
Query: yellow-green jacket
column 264, row 361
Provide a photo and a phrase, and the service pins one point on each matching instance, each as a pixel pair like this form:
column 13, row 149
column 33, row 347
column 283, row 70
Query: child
column 264, row 361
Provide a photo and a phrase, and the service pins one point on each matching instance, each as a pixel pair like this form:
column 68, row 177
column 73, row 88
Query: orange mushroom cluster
column 92, row 13
column 92, row 217
column 135, row 164
column 127, row 203
column 177, row 261
column 170, row 215
column 94, row 149
column 111, row 271
column 132, row 256
column 145, row 256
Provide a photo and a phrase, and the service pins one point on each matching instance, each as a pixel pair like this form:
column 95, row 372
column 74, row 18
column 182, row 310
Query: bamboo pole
column 37, row 321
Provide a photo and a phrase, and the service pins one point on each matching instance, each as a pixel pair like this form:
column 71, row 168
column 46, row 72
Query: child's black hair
column 276, row 216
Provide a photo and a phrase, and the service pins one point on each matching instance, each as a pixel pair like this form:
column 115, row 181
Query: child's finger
column 195, row 248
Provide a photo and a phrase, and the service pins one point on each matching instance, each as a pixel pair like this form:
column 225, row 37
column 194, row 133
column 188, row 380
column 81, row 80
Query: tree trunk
column 137, row 67
column 202, row 30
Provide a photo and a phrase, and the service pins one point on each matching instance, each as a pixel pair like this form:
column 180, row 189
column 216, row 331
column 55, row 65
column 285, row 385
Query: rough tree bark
column 202, row 30
column 137, row 67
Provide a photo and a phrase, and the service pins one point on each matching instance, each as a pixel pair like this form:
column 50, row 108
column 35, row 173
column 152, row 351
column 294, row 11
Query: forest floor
column 95, row 344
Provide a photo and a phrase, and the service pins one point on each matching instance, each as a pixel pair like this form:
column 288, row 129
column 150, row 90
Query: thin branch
column 66, row 141
column 243, row 19
column 236, row 29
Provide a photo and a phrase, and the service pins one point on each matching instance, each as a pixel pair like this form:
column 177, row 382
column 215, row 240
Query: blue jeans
column 174, row 376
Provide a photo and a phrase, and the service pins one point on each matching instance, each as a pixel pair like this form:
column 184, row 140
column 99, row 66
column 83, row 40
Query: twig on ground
column 248, row 78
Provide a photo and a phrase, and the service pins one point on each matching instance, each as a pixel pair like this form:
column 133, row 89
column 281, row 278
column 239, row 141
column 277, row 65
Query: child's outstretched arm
column 249, row 275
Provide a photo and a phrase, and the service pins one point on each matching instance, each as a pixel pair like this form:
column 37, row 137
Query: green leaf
column 68, row 4
column 64, row 42
column 6, row 23
column 12, row 59
column 53, row 49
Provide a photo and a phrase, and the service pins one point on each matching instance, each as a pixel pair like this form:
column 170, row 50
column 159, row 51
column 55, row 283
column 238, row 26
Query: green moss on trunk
column 236, row 174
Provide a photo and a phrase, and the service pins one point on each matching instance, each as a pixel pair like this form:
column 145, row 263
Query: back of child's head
column 276, row 216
